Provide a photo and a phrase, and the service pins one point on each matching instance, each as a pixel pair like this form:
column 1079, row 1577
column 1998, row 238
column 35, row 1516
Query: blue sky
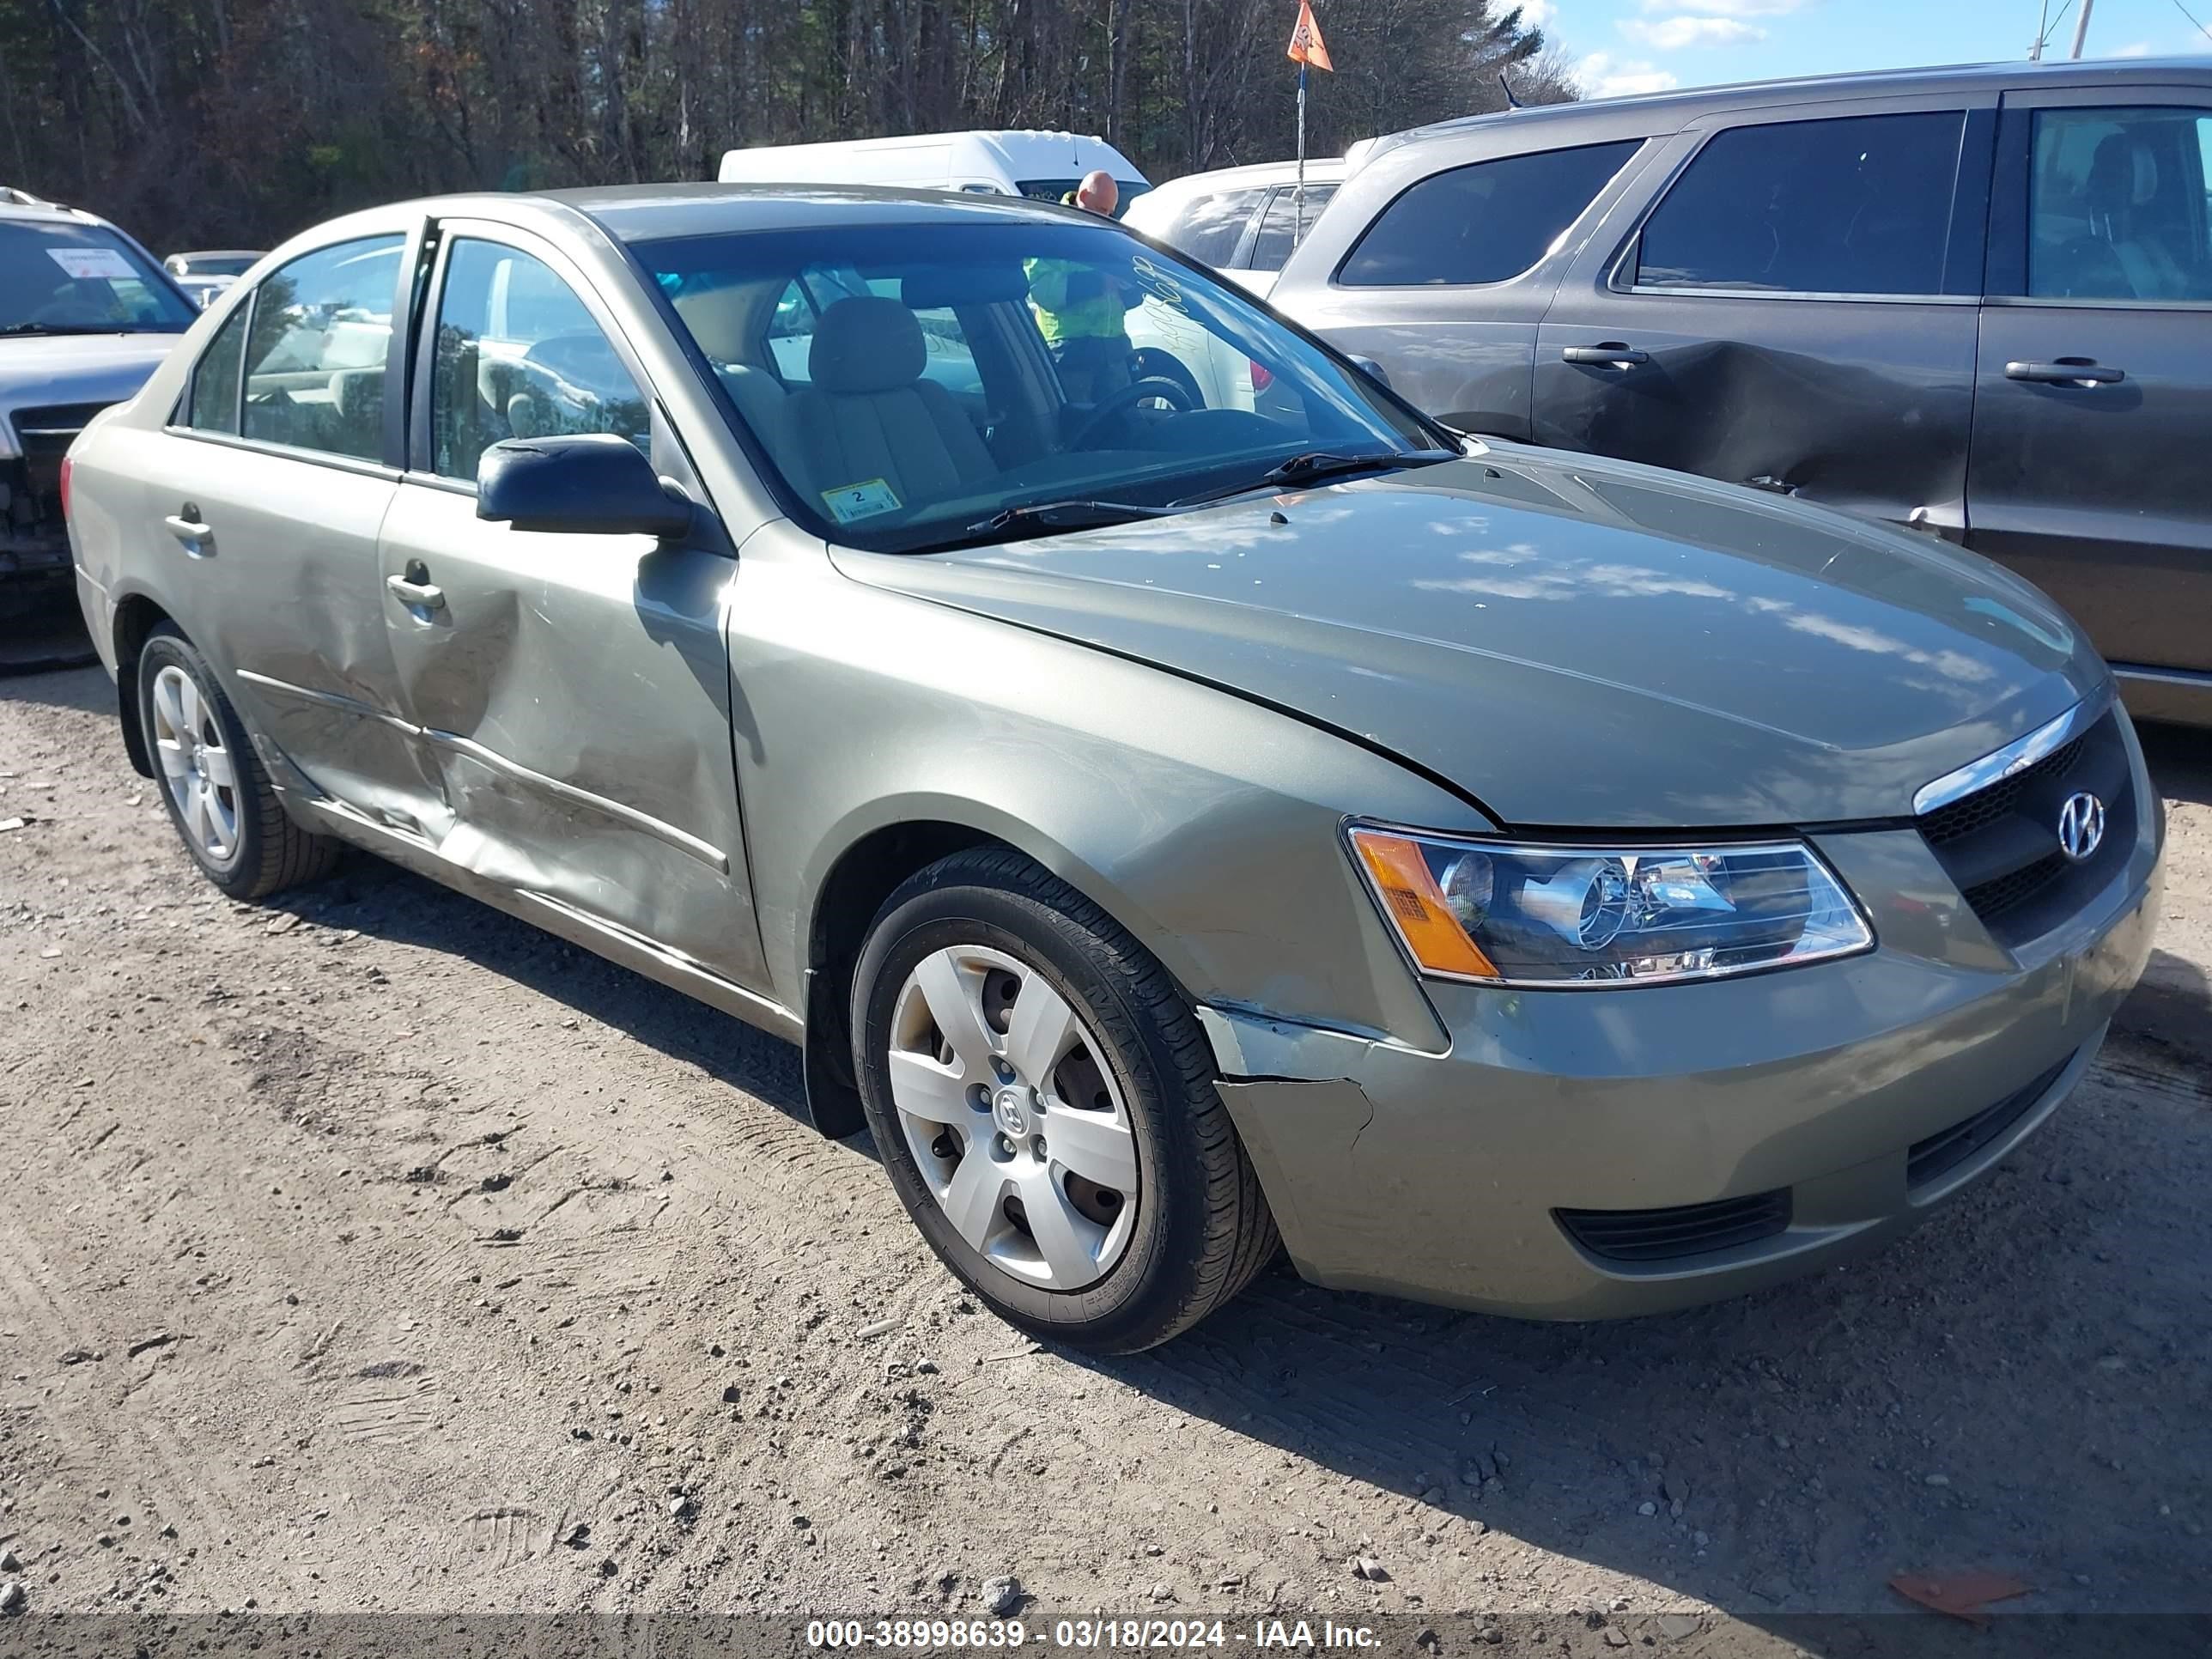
column 1643, row 46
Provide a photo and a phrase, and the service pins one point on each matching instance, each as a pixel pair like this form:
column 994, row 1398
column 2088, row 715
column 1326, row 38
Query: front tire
column 218, row 795
column 1044, row 1102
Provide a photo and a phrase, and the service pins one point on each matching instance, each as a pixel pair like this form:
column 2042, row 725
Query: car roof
column 1320, row 169
column 638, row 212
column 1689, row 103
column 38, row 212
column 216, row 253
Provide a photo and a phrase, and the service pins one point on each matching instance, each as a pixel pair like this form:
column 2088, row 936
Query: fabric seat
column 869, row 416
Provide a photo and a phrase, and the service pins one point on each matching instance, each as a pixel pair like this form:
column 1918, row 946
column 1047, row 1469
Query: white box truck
column 1042, row 166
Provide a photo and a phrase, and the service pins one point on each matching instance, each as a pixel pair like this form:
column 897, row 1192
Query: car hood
column 1570, row 642
column 38, row 370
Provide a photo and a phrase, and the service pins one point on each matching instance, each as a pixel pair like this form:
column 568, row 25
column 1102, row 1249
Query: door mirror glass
column 591, row 484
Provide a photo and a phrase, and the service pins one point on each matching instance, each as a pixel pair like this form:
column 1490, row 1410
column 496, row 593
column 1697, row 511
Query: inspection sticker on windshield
column 87, row 263
column 860, row 501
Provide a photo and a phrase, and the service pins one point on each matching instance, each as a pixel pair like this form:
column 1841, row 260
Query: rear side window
column 214, row 380
column 1860, row 206
column 1484, row 223
column 1280, row 229
column 316, row 349
column 2120, row 209
column 1209, row 228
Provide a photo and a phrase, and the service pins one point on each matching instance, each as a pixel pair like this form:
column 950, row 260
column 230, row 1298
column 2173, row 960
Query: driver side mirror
column 589, row 484
column 1372, row 370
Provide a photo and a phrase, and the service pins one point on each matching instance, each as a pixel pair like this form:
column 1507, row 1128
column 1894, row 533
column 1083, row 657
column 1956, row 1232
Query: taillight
column 66, row 464
column 1262, row 378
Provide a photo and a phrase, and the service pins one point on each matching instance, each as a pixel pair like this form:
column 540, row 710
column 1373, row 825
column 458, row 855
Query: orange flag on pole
column 1306, row 44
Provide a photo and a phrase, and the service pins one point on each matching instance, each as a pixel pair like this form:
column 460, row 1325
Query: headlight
column 1569, row 916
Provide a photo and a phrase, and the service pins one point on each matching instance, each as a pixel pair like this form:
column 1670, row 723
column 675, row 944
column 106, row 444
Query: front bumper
column 1835, row 1104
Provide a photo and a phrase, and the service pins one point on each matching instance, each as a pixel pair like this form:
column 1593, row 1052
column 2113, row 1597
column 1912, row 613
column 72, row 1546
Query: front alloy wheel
column 1020, row 1133
column 1043, row 1099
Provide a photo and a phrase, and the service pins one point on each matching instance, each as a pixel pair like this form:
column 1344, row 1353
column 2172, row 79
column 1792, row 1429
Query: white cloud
column 2136, row 49
column 1673, row 34
column 1536, row 14
column 1603, row 75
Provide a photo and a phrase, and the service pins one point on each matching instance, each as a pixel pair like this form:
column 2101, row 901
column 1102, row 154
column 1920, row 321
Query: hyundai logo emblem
column 2080, row 826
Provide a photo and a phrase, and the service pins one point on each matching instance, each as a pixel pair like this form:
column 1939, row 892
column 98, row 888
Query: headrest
column 716, row 318
column 2123, row 173
column 871, row 344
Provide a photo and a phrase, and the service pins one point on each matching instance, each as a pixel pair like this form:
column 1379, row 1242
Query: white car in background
column 1041, row 165
column 1243, row 222
column 205, row 274
column 86, row 314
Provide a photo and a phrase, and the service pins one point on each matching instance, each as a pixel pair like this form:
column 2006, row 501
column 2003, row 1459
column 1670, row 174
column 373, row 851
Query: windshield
column 59, row 277
column 911, row 382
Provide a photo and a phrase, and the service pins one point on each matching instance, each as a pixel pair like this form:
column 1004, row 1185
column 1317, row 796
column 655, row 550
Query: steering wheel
column 1126, row 398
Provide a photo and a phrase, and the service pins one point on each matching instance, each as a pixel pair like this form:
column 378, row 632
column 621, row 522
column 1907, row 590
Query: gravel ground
column 373, row 1251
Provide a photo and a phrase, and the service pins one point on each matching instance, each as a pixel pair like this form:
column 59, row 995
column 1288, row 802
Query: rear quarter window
column 1485, row 222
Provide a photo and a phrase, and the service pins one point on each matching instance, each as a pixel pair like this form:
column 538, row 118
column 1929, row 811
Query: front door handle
column 2067, row 371
column 422, row 595
column 1608, row 354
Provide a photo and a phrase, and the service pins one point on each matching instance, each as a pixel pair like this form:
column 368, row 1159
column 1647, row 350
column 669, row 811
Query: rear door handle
column 423, row 596
column 1609, row 354
column 2067, row 371
column 186, row 526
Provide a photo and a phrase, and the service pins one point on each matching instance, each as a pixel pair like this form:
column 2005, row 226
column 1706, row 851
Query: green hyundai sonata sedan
column 1524, row 881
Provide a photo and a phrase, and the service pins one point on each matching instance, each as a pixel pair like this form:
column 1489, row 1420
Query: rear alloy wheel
column 218, row 796
column 1043, row 1100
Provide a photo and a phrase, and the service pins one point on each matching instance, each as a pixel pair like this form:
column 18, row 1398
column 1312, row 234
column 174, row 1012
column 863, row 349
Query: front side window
column 215, row 378
column 61, row 276
column 1860, row 205
column 922, row 386
column 1207, row 228
column 1284, row 226
column 2118, row 208
column 519, row 356
column 316, row 349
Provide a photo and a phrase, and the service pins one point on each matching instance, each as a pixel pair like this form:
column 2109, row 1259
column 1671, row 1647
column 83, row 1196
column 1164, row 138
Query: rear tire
column 1074, row 1078
column 214, row 785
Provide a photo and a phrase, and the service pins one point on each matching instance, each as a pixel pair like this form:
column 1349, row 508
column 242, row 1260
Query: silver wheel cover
column 1014, row 1117
column 197, row 768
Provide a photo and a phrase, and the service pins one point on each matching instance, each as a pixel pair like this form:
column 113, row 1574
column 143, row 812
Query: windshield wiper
column 1072, row 514
column 78, row 328
column 1315, row 464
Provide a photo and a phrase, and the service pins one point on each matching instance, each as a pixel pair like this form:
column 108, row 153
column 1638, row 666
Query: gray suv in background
column 1977, row 301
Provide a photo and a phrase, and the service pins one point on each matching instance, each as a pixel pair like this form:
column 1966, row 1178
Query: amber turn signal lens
column 1416, row 905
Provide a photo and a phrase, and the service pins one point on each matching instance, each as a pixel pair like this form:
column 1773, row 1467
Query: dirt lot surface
column 373, row 1251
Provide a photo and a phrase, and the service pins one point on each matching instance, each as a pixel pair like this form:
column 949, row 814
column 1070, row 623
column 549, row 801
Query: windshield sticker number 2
column 92, row 263
column 848, row 502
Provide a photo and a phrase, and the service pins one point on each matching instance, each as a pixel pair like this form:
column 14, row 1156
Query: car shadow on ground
column 387, row 903
column 2181, row 760
column 1997, row 1390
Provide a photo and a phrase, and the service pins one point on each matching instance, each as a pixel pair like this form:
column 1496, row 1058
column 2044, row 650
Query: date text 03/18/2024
column 1094, row 1633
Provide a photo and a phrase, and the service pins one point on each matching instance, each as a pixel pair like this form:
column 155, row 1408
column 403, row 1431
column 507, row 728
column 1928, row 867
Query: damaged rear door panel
column 1795, row 310
column 571, row 693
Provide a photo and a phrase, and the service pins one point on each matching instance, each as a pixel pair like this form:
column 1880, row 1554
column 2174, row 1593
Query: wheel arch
column 863, row 863
column 137, row 616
